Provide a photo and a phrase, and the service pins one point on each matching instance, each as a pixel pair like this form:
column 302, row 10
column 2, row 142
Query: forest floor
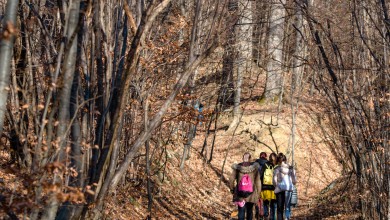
column 200, row 190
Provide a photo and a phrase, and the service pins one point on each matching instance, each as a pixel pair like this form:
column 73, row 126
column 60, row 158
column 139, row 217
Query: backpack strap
column 263, row 171
column 237, row 171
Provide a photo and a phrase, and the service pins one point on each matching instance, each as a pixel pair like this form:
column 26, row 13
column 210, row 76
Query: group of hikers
column 266, row 184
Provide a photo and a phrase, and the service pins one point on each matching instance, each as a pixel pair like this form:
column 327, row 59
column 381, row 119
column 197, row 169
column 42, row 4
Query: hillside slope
column 200, row 192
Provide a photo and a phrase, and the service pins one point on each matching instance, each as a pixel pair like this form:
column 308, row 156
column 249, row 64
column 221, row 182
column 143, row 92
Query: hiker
column 284, row 180
column 267, row 191
column 273, row 159
column 262, row 160
column 246, row 191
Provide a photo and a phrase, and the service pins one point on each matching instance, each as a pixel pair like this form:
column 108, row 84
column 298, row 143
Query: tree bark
column 192, row 56
column 6, row 48
column 243, row 61
column 146, row 23
column 77, row 159
column 148, row 162
column 275, row 51
column 111, row 184
column 99, row 71
column 67, row 80
column 297, row 72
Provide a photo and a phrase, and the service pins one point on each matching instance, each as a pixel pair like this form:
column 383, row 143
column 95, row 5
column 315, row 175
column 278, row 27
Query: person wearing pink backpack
column 245, row 185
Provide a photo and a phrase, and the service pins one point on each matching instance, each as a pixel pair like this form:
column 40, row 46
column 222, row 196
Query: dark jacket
column 252, row 170
column 266, row 187
column 261, row 161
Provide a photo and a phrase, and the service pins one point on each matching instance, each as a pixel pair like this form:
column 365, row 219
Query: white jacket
column 279, row 173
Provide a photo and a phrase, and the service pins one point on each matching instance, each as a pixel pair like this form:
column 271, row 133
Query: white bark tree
column 243, row 59
column 275, row 50
column 6, row 47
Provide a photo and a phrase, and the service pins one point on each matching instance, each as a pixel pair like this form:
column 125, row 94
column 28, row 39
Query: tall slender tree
column 6, row 47
column 243, row 51
column 64, row 102
column 275, row 50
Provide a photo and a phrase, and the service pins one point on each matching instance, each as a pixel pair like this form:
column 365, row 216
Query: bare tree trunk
column 387, row 171
column 243, row 62
column 204, row 151
column 226, row 83
column 193, row 47
column 187, row 146
column 297, row 72
column 77, row 162
column 214, row 135
column 275, row 53
column 67, row 80
column 140, row 8
column 148, row 163
column 111, row 184
column 6, row 47
column 99, row 74
column 146, row 23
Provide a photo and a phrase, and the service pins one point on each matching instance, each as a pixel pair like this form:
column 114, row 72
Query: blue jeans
column 246, row 208
column 287, row 204
column 270, row 209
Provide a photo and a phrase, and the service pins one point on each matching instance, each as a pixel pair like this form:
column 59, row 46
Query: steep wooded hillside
column 200, row 190
column 123, row 109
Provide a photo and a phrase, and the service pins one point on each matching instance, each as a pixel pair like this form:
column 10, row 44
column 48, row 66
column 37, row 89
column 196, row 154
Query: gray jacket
column 279, row 173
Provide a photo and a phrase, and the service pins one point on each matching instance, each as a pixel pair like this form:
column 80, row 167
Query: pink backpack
column 245, row 186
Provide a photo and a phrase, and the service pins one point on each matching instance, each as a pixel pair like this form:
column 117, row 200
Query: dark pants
column 280, row 199
column 248, row 208
column 283, row 200
column 269, row 209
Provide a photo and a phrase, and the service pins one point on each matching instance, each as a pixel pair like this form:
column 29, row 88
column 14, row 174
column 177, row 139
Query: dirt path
column 200, row 190
column 200, row 181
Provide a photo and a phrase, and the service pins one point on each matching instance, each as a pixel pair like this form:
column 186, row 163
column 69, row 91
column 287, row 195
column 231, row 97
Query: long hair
column 273, row 158
column 246, row 157
column 281, row 158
